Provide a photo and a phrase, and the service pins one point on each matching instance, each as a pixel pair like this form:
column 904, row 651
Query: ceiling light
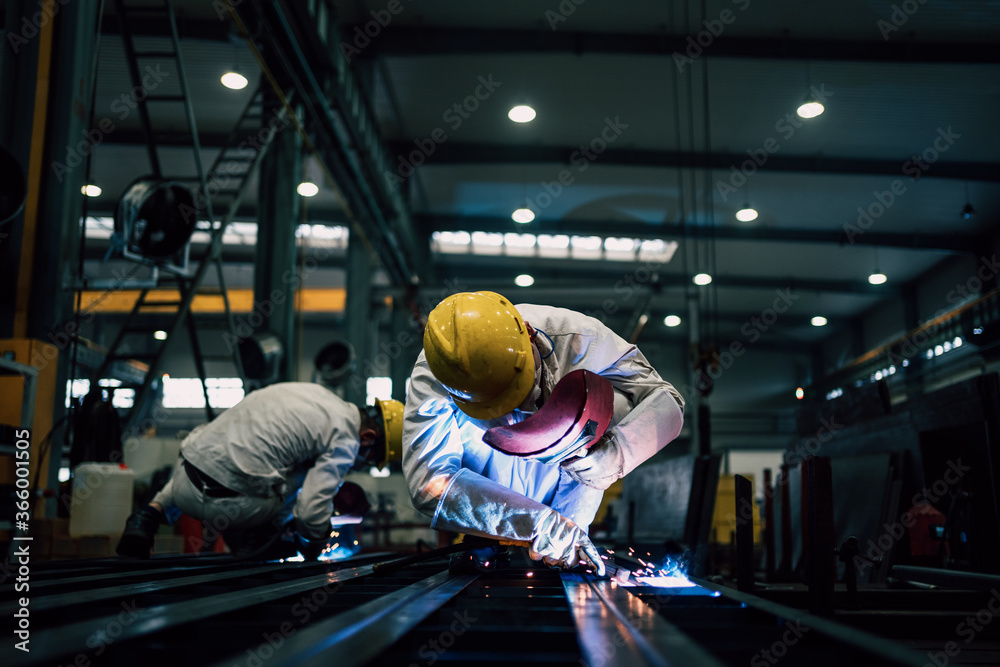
column 91, row 190
column 160, row 335
column 523, row 215
column 234, row 81
column 818, row 321
column 521, row 114
column 877, row 278
column 524, row 280
column 671, row 320
column 307, row 189
column 799, row 393
column 702, row 279
column 810, row 109
column 746, row 214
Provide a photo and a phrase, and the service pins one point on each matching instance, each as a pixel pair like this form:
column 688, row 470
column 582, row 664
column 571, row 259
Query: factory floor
column 213, row 610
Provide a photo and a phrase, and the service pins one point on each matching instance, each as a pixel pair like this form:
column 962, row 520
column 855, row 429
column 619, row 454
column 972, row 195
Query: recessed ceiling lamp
column 810, row 108
column 522, row 113
column 671, row 320
column 746, row 214
column 160, row 335
column 91, row 190
column 524, row 280
column 307, row 189
column 523, row 215
column 818, row 321
column 234, row 81
column 877, row 278
column 800, row 393
column 702, row 279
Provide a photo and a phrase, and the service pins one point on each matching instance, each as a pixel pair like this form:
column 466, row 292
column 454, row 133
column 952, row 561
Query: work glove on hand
column 475, row 505
column 310, row 548
column 561, row 543
column 601, row 467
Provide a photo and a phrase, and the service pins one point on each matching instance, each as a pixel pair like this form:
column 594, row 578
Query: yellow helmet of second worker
column 392, row 426
column 477, row 346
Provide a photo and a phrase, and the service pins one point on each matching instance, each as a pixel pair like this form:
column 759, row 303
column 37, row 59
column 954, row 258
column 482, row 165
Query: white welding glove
column 475, row 505
column 561, row 543
column 601, row 467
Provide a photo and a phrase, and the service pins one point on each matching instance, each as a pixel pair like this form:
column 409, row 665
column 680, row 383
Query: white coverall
column 278, row 439
column 467, row 486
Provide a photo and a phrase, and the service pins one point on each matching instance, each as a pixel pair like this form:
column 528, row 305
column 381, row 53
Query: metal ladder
column 232, row 167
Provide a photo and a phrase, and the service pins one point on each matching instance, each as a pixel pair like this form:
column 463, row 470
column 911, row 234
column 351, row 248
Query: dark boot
column 140, row 529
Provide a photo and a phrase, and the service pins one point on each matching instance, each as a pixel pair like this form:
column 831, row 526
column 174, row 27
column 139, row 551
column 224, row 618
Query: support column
column 404, row 348
column 357, row 316
column 693, row 399
column 276, row 275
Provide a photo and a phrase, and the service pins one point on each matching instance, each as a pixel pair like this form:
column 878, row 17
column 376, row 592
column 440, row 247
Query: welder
column 486, row 367
column 271, row 469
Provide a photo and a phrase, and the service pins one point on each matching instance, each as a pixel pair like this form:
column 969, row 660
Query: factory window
column 379, row 388
column 122, row 398
column 187, row 392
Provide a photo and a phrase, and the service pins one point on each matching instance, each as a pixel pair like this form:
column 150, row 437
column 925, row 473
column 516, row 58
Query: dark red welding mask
column 574, row 417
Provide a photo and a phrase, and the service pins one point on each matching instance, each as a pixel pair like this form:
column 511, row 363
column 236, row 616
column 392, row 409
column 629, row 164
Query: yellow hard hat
column 392, row 425
column 477, row 346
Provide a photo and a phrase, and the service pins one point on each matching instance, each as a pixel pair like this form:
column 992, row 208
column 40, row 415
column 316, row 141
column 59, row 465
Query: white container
column 102, row 499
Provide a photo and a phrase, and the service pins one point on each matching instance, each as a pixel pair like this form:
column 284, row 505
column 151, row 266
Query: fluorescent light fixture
column 234, row 81
column 877, row 278
column 810, row 109
column 556, row 241
column 453, row 238
column 91, row 190
column 513, row 240
column 818, row 321
column 523, row 215
column 619, row 244
column 307, row 189
column 702, row 279
column 160, row 335
column 492, row 239
column 587, row 242
column 746, row 214
column 671, row 320
column 524, row 280
column 522, row 113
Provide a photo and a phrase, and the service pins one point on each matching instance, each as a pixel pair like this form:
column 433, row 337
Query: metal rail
column 615, row 627
column 357, row 636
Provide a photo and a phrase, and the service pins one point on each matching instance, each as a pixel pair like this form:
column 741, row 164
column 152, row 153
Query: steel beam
column 357, row 636
column 357, row 317
column 53, row 644
column 483, row 153
column 274, row 265
column 970, row 581
column 434, row 40
column 614, row 627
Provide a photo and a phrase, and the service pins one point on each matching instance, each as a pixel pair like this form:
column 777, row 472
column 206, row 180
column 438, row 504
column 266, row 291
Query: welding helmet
column 477, row 346
column 390, row 413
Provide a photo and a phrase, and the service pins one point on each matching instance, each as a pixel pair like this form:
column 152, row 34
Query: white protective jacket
column 467, row 486
column 263, row 445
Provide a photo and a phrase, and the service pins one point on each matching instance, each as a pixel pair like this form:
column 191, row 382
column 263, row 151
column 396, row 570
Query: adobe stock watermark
column 884, row 199
column 785, row 126
column 122, row 107
column 712, row 30
column 880, row 547
column 454, row 116
column 751, row 330
column 372, row 28
column 967, row 629
column 32, row 25
column 565, row 9
column 901, row 13
column 432, row 649
column 580, row 160
column 779, row 648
